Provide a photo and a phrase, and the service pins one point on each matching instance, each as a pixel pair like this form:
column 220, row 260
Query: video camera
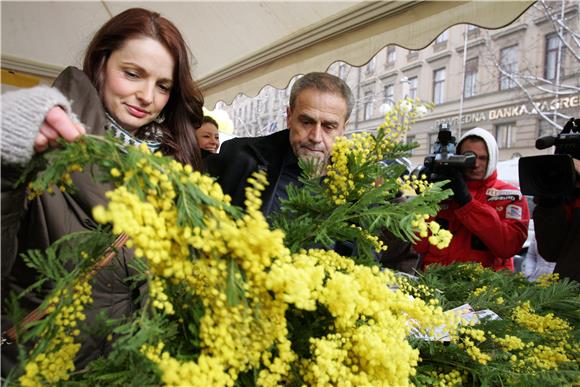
column 444, row 156
column 552, row 175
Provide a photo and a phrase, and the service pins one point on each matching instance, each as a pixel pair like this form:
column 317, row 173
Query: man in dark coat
column 557, row 218
column 320, row 105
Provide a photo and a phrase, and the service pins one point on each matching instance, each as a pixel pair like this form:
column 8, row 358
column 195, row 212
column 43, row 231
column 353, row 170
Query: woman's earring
column 160, row 118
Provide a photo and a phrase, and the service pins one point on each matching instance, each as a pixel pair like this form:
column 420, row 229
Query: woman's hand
column 57, row 123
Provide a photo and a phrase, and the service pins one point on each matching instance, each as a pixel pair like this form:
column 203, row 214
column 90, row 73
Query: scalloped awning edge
column 354, row 37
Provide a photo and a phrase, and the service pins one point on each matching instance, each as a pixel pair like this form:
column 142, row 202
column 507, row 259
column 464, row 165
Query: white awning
column 239, row 47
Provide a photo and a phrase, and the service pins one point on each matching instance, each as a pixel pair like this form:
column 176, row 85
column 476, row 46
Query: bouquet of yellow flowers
column 235, row 301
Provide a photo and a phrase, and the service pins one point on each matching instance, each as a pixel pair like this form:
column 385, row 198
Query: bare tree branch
column 530, row 98
column 534, row 82
column 559, row 25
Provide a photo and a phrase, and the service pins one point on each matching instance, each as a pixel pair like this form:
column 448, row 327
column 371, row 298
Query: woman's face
column 138, row 81
column 208, row 137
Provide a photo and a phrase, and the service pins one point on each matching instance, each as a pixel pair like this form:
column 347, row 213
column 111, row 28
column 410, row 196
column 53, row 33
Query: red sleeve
column 503, row 237
column 421, row 246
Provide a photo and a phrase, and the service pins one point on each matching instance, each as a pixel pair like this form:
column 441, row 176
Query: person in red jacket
column 487, row 217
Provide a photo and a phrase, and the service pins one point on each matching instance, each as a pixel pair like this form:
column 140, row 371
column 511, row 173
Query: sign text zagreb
column 515, row 110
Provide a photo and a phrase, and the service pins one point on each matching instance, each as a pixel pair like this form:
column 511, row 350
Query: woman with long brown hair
column 136, row 83
column 183, row 111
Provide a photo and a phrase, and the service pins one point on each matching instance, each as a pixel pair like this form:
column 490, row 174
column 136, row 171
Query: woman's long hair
column 183, row 112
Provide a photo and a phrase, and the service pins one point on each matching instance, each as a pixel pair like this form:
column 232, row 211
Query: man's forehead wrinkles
column 318, row 117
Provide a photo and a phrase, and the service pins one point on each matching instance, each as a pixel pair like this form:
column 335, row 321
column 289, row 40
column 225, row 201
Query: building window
column 470, row 87
column 441, row 41
column 442, row 38
column 370, row 67
column 508, row 61
column 391, row 55
column 342, row 70
column 411, row 140
column 472, row 31
column 389, row 93
column 505, row 134
column 439, row 86
column 412, row 55
column 412, row 87
column 551, row 60
column 368, row 105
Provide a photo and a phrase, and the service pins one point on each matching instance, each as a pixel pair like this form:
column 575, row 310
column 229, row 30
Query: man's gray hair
column 324, row 82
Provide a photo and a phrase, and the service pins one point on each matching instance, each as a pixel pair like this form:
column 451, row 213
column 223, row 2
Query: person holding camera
column 487, row 217
column 557, row 216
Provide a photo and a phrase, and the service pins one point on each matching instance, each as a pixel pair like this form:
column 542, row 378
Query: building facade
column 519, row 82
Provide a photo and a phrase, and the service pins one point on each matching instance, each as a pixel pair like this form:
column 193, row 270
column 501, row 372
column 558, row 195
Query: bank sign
column 515, row 110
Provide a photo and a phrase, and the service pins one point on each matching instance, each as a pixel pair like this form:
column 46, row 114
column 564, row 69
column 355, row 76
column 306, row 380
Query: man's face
column 315, row 121
column 482, row 158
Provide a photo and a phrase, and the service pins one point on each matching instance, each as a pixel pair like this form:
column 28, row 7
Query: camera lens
column 548, row 175
column 470, row 158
